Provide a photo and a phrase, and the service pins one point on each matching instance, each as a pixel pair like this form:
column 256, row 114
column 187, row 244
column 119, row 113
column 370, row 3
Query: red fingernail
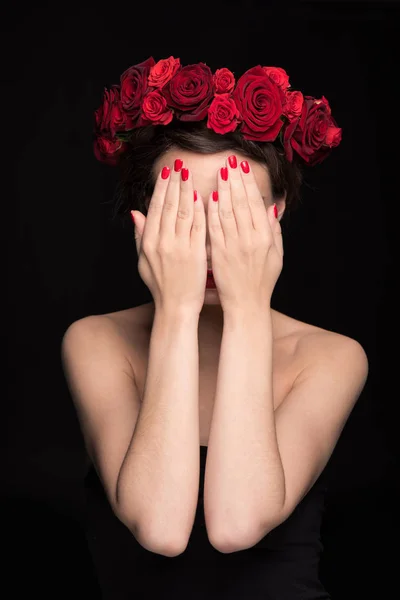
column 245, row 166
column 215, row 196
column 195, row 195
column 178, row 165
column 165, row 173
column 275, row 211
column 133, row 218
column 185, row 174
column 224, row 173
column 232, row 161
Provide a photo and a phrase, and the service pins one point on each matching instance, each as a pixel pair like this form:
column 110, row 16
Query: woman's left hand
column 246, row 241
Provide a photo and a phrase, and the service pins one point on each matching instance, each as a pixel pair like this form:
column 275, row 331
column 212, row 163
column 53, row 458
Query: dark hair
column 148, row 143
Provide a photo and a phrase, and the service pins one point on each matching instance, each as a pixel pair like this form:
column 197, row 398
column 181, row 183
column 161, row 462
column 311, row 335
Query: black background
column 67, row 260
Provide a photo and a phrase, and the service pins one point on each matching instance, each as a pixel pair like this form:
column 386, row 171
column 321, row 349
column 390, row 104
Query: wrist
column 251, row 316
column 176, row 316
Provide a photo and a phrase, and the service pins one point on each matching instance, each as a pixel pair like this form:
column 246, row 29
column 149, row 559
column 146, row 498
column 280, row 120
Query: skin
column 263, row 455
column 204, row 170
column 286, row 447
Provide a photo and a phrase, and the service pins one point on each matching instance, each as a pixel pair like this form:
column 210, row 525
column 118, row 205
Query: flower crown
column 261, row 105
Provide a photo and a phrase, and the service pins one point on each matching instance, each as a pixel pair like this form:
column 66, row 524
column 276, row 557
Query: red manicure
column 178, row 165
column 275, row 211
column 232, row 161
column 245, row 166
column 185, row 174
column 224, row 173
column 165, row 173
column 215, row 196
column 195, row 195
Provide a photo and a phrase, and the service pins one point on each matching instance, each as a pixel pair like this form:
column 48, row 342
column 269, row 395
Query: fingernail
column 232, row 161
column 215, row 196
column 195, row 195
column 178, row 165
column 275, row 211
column 185, row 174
column 245, row 166
column 133, row 218
column 224, row 173
column 165, row 173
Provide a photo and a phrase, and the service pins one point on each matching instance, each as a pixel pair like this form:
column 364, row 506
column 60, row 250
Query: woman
column 214, row 163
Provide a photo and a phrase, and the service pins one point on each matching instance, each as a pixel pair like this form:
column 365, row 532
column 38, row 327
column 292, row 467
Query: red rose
column 101, row 114
column 133, row 87
column 278, row 76
column 313, row 133
column 163, row 71
column 190, row 91
column 155, row 109
column 260, row 102
column 223, row 114
column 224, row 81
column 333, row 135
column 107, row 150
column 294, row 105
column 110, row 117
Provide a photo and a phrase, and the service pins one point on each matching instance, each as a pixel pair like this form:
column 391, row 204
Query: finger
column 226, row 212
column 171, row 203
column 139, row 222
column 214, row 223
column 255, row 199
column 154, row 212
column 185, row 213
column 198, row 233
column 239, row 198
column 276, row 230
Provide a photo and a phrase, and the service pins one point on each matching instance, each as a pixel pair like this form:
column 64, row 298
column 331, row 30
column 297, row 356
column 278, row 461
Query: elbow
column 159, row 542
column 235, row 539
column 227, row 539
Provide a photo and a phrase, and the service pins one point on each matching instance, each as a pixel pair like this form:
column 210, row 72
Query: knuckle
column 248, row 245
column 266, row 238
column 242, row 203
column 155, row 206
column 164, row 247
column 226, row 213
column 184, row 213
column 147, row 247
column 215, row 227
column 198, row 227
column 169, row 205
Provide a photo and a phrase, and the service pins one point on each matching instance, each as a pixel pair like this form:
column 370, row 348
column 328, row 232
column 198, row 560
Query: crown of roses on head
column 260, row 104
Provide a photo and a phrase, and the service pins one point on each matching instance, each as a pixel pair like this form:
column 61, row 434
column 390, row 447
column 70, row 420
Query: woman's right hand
column 171, row 242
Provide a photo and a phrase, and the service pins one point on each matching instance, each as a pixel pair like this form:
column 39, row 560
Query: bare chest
column 285, row 368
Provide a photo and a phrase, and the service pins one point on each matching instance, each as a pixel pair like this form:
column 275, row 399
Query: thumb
column 139, row 222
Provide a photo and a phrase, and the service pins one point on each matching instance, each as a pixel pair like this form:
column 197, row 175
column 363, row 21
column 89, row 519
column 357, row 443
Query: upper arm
column 103, row 390
column 311, row 418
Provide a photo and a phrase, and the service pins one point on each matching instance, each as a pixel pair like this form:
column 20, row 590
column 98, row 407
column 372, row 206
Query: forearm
column 159, row 479
column 244, row 476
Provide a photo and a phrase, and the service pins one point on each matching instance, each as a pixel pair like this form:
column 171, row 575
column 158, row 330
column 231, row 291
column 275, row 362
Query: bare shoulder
column 122, row 326
column 313, row 346
column 122, row 331
column 96, row 358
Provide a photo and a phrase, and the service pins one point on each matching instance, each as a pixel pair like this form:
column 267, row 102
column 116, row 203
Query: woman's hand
column 246, row 241
column 171, row 242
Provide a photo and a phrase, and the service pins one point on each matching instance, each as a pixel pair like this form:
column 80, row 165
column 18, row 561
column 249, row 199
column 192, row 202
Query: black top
column 281, row 566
